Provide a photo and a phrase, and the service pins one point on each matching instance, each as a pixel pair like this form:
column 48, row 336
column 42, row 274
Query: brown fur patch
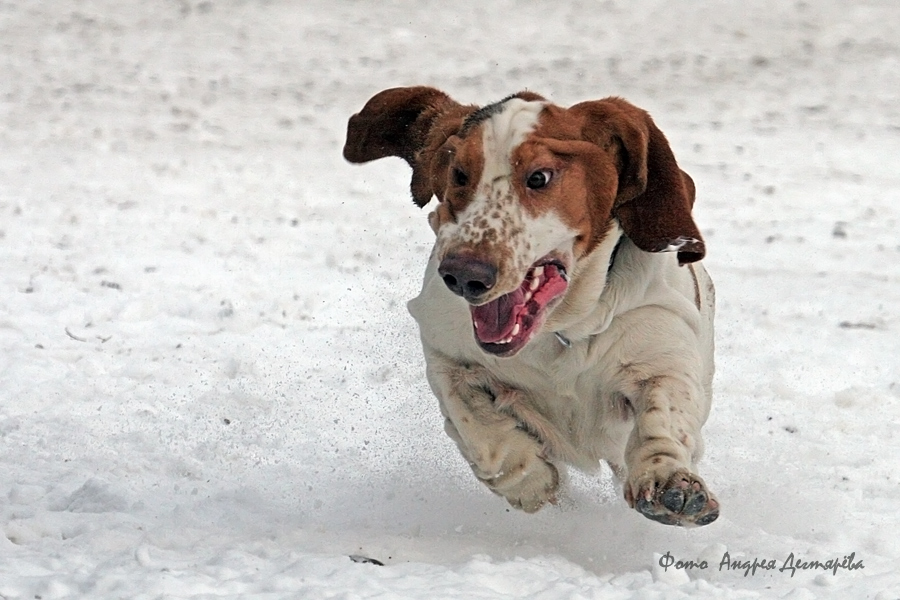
column 654, row 199
column 411, row 123
column 457, row 156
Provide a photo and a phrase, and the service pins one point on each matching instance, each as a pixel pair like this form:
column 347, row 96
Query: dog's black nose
column 468, row 277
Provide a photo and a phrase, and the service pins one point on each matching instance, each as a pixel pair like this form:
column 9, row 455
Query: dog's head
column 525, row 190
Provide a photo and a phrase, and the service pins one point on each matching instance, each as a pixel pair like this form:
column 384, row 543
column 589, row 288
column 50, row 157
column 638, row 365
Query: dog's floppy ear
column 654, row 198
column 411, row 123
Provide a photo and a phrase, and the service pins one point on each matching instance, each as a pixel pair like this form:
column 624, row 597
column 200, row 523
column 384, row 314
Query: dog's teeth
column 535, row 283
column 527, row 296
column 564, row 275
column 538, row 271
column 515, row 331
column 475, row 323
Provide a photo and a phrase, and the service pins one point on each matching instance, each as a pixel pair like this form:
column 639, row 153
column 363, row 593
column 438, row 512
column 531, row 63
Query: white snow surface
column 209, row 383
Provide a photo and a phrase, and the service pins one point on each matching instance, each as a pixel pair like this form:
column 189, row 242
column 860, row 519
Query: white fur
column 503, row 132
column 638, row 335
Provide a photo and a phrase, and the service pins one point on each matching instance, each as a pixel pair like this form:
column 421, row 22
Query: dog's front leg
column 502, row 454
column 662, row 450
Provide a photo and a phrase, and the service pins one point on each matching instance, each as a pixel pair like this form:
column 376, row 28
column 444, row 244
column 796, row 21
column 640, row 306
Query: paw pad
column 681, row 500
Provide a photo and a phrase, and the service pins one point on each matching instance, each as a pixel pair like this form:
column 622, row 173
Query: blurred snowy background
column 210, row 386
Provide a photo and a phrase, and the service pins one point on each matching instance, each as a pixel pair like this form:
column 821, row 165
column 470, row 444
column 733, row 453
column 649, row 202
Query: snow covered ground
column 210, row 386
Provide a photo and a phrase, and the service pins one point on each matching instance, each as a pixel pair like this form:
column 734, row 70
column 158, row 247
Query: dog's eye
column 460, row 178
column 539, row 179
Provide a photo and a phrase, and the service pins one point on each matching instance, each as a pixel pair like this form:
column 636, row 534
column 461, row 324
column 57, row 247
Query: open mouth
column 503, row 326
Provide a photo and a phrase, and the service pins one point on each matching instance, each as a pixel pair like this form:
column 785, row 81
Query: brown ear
column 654, row 198
column 411, row 123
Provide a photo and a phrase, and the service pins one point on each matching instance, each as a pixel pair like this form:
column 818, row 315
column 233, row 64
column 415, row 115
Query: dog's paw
column 674, row 498
column 517, row 471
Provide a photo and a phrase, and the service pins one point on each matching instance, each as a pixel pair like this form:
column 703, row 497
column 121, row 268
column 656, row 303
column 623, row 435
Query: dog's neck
column 581, row 313
column 612, row 262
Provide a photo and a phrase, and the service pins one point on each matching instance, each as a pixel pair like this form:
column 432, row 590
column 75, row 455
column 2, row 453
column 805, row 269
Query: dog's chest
column 546, row 369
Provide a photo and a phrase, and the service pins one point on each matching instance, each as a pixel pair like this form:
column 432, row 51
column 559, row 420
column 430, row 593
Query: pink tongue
column 553, row 286
column 495, row 320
